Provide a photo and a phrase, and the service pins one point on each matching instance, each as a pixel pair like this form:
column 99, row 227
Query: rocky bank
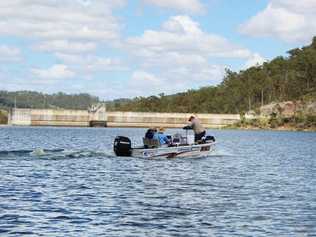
column 286, row 115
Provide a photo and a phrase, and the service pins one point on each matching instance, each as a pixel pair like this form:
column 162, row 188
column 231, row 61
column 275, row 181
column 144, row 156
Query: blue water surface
column 67, row 182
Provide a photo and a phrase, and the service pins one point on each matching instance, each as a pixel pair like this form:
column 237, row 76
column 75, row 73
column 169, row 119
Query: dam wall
column 168, row 120
column 20, row 117
column 98, row 116
column 77, row 118
column 49, row 117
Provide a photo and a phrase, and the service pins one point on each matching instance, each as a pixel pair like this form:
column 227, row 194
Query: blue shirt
column 162, row 138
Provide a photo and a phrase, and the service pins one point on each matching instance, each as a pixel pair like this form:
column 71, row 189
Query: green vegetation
column 30, row 99
column 297, row 122
column 283, row 78
column 3, row 117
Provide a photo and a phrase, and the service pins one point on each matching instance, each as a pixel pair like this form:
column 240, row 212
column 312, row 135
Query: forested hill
column 31, row 99
column 284, row 78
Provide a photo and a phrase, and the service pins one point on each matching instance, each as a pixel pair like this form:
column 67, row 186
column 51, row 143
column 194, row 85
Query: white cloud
column 9, row 54
column 255, row 60
column 144, row 77
column 189, row 6
column 291, row 21
column 181, row 54
column 66, row 46
column 91, row 63
column 69, row 26
column 145, row 84
column 181, row 25
column 54, row 73
column 59, row 20
column 302, row 6
column 77, row 28
column 182, row 35
column 172, row 81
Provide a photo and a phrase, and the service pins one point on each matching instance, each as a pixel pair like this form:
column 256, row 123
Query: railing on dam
column 85, row 118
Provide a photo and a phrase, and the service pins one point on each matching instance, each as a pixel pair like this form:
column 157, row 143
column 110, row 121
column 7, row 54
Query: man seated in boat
column 195, row 124
column 161, row 137
column 150, row 133
column 155, row 138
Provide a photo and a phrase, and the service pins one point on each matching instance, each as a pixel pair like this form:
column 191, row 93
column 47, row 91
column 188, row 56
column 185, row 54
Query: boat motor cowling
column 209, row 139
column 122, row 146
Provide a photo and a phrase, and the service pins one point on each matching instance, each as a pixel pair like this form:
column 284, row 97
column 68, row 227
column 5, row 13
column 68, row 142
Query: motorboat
column 179, row 146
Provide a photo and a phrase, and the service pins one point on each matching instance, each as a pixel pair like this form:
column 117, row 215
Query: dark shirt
column 149, row 134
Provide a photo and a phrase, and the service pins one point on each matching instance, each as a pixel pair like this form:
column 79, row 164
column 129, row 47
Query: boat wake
column 53, row 154
column 221, row 153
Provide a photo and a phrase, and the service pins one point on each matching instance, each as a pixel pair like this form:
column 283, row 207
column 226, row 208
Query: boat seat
column 151, row 143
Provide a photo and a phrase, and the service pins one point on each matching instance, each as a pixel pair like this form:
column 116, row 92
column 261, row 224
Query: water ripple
column 66, row 182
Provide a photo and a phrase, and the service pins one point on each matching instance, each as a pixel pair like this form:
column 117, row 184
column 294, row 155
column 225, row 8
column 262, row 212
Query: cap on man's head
column 191, row 117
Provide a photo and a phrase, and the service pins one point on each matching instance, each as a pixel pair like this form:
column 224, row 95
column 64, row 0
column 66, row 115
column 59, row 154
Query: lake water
column 258, row 183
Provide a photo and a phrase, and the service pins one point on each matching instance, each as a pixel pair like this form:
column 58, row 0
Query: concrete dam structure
column 95, row 116
column 168, row 120
column 98, row 116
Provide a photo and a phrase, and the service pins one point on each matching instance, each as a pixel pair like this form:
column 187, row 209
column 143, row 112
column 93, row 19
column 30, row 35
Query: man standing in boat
column 197, row 127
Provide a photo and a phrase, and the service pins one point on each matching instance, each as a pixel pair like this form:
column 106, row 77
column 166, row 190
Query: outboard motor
column 122, row 146
column 209, row 139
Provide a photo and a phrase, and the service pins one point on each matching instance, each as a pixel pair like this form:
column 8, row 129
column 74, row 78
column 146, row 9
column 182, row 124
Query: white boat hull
column 194, row 150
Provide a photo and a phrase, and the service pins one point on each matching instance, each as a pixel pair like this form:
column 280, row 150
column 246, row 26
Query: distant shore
column 292, row 128
column 232, row 127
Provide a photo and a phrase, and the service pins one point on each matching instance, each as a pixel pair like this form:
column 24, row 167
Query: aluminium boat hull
column 194, row 150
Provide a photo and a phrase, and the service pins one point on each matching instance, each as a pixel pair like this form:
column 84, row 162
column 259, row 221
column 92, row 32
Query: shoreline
column 232, row 127
column 281, row 128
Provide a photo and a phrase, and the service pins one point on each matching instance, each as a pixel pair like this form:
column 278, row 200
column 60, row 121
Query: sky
column 127, row 48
